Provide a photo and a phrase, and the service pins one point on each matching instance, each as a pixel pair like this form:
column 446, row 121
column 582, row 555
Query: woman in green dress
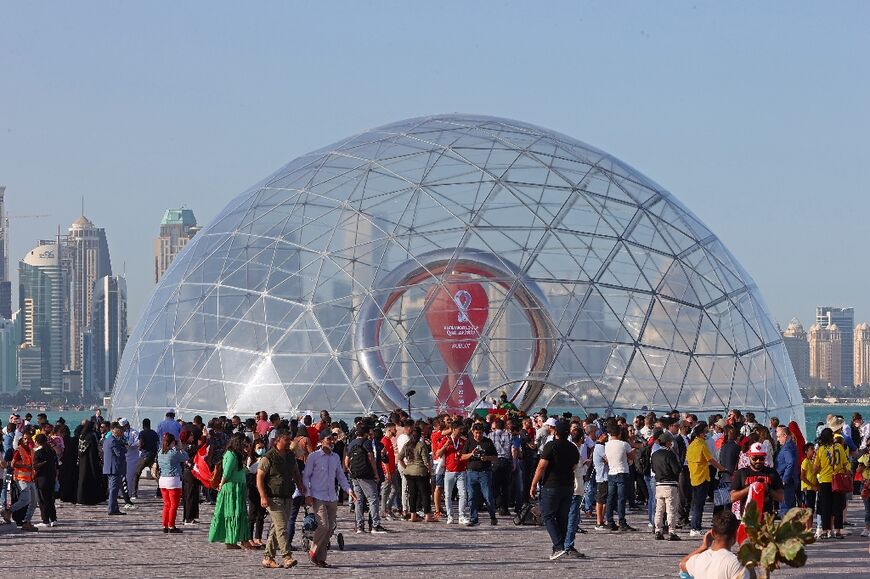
column 230, row 521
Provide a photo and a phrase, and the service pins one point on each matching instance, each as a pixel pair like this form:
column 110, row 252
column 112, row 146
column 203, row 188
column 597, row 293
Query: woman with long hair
column 831, row 458
column 230, row 521
column 766, row 443
column 417, row 464
column 170, row 460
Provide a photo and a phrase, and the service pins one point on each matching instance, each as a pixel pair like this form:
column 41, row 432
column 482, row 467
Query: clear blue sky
column 754, row 114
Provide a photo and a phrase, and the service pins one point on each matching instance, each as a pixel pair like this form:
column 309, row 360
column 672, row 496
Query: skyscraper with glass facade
column 844, row 319
column 108, row 332
column 177, row 228
column 43, row 281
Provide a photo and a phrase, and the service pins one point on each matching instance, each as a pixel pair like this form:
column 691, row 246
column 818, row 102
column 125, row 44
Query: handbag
column 841, row 483
column 722, row 494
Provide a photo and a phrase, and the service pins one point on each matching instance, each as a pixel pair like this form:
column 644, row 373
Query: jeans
column 27, row 497
column 555, row 506
column 480, row 481
column 617, row 490
column 589, row 495
column 789, row 499
column 699, row 497
column 4, row 492
column 573, row 521
column 366, row 490
column 519, row 490
column 389, row 492
column 294, row 514
column 454, row 480
column 502, row 473
column 650, row 497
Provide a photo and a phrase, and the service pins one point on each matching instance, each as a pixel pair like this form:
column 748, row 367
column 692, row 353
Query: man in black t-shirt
column 555, row 472
column 757, row 472
column 480, row 453
column 149, row 443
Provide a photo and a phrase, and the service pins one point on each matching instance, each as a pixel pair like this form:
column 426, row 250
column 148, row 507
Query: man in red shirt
column 390, row 488
column 313, row 431
column 263, row 425
column 455, row 475
column 440, row 434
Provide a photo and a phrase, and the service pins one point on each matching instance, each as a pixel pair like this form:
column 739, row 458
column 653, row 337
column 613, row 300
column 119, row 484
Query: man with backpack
column 359, row 460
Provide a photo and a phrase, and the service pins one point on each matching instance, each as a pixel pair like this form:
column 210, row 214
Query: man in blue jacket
column 114, row 466
column 787, row 468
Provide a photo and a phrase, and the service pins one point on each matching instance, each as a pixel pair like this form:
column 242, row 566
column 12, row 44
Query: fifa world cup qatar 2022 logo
column 457, row 312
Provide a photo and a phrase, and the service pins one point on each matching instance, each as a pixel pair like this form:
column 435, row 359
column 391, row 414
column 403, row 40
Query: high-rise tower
column 176, row 229
column 844, row 318
column 108, row 332
column 43, row 280
column 861, row 342
column 795, row 339
column 89, row 261
column 826, row 355
column 5, row 281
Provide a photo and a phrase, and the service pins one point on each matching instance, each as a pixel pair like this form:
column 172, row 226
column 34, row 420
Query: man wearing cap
column 757, row 472
column 169, row 425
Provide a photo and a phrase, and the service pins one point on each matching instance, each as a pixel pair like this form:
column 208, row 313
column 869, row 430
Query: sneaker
column 865, row 533
column 493, row 521
column 694, row 533
column 189, row 523
column 626, row 527
column 659, row 536
column 650, row 526
column 612, row 527
column 463, row 521
column 471, row 524
column 53, row 524
column 6, row 514
column 174, row 530
column 572, row 552
column 379, row 530
column 129, row 506
column 557, row 554
column 600, row 527
column 29, row 527
column 674, row 537
column 358, row 531
column 41, row 525
column 450, row 520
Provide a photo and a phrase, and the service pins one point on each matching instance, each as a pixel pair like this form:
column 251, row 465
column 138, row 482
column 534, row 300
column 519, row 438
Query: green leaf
column 750, row 515
column 799, row 560
column 748, row 553
column 798, row 515
column 768, row 556
column 790, row 548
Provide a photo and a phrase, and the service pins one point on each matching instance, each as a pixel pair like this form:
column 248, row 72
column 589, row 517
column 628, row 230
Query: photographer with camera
column 480, row 453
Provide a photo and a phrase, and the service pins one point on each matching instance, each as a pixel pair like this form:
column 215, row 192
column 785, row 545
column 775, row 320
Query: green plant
column 773, row 542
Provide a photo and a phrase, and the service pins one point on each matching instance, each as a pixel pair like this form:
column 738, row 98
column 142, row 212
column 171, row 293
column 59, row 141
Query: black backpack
column 358, row 459
column 644, row 460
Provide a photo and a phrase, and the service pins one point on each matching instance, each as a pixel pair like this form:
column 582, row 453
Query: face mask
column 261, row 451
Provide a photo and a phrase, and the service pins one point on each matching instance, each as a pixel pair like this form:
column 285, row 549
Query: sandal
column 290, row 562
column 270, row 564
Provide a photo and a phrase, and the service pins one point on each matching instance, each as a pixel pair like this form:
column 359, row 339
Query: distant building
column 9, row 342
column 43, row 281
column 826, row 355
column 88, row 253
column 29, row 367
column 5, row 280
column 844, row 319
column 176, row 229
column 108, row 334
column 861, row 344
column 795, row 339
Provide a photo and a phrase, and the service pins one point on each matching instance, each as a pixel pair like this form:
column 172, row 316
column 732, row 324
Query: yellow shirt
column 697, row 457
column 830, row 460
column 865, row 461
column 807, row 473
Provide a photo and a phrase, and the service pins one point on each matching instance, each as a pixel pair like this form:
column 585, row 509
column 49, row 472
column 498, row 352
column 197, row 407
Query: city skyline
column 743, row 126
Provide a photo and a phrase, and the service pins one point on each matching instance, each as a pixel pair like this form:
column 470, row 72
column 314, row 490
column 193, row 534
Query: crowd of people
column 447, row 469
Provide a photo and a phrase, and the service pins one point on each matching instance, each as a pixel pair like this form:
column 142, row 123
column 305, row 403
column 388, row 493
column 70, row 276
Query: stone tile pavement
column 88, row 543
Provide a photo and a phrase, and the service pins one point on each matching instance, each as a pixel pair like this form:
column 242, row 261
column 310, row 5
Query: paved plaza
column 88, row 543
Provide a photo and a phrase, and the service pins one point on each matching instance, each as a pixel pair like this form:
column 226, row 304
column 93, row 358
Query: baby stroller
column 309, row 525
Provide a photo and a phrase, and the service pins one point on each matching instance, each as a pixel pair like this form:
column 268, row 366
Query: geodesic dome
column 325, row 286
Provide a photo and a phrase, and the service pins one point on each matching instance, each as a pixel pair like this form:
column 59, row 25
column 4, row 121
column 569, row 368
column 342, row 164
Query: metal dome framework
column 648, row 308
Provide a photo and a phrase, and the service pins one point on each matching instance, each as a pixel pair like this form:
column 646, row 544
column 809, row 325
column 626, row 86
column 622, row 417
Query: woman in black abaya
column 69, row 467
column 91, row 488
